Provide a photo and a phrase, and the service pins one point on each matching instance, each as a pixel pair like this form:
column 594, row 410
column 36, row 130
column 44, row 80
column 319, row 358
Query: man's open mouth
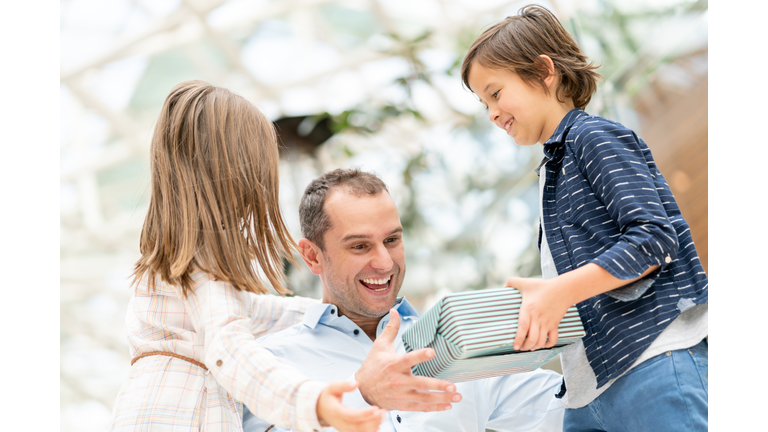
column 376, row 285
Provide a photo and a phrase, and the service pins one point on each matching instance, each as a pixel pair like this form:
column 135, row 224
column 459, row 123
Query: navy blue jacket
column 605, row 202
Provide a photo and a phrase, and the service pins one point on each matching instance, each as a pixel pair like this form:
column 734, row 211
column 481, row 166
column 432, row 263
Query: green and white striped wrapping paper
column 472, row 334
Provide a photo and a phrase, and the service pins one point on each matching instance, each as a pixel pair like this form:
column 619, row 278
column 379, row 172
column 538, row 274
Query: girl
column 199, row 302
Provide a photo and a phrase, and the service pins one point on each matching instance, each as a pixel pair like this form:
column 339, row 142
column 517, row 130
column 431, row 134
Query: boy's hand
column 540, row 313
column 331, row 412
column 385, row 377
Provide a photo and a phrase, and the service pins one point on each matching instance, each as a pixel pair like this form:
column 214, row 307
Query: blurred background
column 367, row 83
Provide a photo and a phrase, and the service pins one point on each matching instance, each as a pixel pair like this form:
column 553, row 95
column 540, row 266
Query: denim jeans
column 668, row 392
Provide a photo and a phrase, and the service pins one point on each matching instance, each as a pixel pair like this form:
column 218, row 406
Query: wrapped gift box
column 472, row 334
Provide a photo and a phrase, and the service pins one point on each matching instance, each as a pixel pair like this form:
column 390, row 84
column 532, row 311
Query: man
column 353, row 242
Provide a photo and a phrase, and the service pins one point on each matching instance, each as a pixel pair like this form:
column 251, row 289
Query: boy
column 612, row 239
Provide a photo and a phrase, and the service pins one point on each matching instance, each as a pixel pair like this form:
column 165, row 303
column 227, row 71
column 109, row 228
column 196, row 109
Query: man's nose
column 382, row 260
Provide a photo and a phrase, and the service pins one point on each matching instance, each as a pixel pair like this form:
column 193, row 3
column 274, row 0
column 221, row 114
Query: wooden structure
column 673, row 120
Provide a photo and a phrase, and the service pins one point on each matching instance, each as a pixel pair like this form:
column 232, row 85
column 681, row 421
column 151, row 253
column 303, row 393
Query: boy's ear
column 312, row 255
column 550, row 65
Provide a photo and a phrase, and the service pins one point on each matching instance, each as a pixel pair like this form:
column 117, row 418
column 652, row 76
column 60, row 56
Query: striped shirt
column 216, row 325
column 605, row 202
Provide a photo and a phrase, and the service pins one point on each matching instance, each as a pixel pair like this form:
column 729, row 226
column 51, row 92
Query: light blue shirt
column 326, row 347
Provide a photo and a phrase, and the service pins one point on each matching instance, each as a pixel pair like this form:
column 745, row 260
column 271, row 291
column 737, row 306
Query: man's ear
column 312, row 255
column 550, row 65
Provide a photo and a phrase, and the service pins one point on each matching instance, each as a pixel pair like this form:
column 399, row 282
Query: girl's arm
column 273, row 391
column 271, row 313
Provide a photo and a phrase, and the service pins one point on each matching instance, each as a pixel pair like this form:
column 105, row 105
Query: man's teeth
column 377, row 281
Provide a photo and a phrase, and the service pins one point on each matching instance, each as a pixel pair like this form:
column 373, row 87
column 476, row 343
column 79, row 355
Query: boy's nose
column 493, row 115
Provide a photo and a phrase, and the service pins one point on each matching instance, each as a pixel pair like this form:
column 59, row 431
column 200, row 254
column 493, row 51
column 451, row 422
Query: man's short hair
column 314, row 220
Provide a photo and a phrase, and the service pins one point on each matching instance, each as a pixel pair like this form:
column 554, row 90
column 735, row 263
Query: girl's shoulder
column 156, row 285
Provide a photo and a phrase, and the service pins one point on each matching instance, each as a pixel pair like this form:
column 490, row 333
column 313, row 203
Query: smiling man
column 353, row 241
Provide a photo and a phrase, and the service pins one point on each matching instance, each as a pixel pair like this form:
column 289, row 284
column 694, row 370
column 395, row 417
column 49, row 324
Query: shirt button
column 219, row 363
column 399, row 420
column 668, row 259
column 668, row 353
column 356, row 332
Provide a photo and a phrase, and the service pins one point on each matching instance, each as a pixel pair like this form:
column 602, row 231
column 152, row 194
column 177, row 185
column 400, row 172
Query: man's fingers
column 415, row 357
column 389, row 333
column 424, row 407
column 443, row 390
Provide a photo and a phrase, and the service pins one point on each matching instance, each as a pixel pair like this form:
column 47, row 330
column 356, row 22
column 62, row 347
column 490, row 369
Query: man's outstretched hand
column 385, row 378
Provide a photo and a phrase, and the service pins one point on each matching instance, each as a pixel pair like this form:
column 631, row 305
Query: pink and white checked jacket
column 217, row 326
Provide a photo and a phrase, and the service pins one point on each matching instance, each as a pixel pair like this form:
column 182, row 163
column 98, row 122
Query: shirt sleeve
column 271, row 313
column 525, row 401
column 273, row 391
column 616, row 164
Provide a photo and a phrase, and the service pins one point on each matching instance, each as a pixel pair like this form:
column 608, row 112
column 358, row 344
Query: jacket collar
column 557, row 139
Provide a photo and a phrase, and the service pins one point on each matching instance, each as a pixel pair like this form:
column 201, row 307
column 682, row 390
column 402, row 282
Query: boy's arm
column 545, row 301
column 614, row 163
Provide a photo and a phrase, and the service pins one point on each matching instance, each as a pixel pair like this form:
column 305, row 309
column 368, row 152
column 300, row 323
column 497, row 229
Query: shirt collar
column 325, row 313
column 557, row 137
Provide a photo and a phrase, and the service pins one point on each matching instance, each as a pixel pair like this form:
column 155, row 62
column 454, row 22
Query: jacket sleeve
column 273, row 391
column 621, row 172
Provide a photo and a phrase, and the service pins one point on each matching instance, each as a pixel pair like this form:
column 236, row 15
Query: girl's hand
column 540, row 314
column 331, row 412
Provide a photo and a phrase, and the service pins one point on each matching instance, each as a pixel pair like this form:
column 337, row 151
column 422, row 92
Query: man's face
column 364, row 259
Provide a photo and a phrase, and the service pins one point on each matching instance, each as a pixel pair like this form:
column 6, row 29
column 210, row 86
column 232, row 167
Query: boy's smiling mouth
column 508, row 124
column 377, row 285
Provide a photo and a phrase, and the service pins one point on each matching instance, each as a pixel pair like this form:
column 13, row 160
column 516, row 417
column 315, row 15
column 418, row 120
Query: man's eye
column 358, row 247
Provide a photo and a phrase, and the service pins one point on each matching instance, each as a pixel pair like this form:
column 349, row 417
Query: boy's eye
column 495, row 94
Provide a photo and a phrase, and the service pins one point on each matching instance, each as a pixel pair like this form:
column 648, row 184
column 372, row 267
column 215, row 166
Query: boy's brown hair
column 214, row 200
column 515, row 44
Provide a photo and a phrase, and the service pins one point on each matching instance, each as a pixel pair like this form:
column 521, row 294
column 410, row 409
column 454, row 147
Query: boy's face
column 525, row 112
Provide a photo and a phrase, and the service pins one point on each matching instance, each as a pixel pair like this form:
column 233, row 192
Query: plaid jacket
column 605, row 202
column 216, row 325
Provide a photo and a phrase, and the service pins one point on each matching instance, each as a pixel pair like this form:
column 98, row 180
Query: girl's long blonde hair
column 214, row 200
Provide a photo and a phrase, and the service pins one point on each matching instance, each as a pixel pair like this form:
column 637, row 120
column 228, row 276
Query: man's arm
column 524, row 401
